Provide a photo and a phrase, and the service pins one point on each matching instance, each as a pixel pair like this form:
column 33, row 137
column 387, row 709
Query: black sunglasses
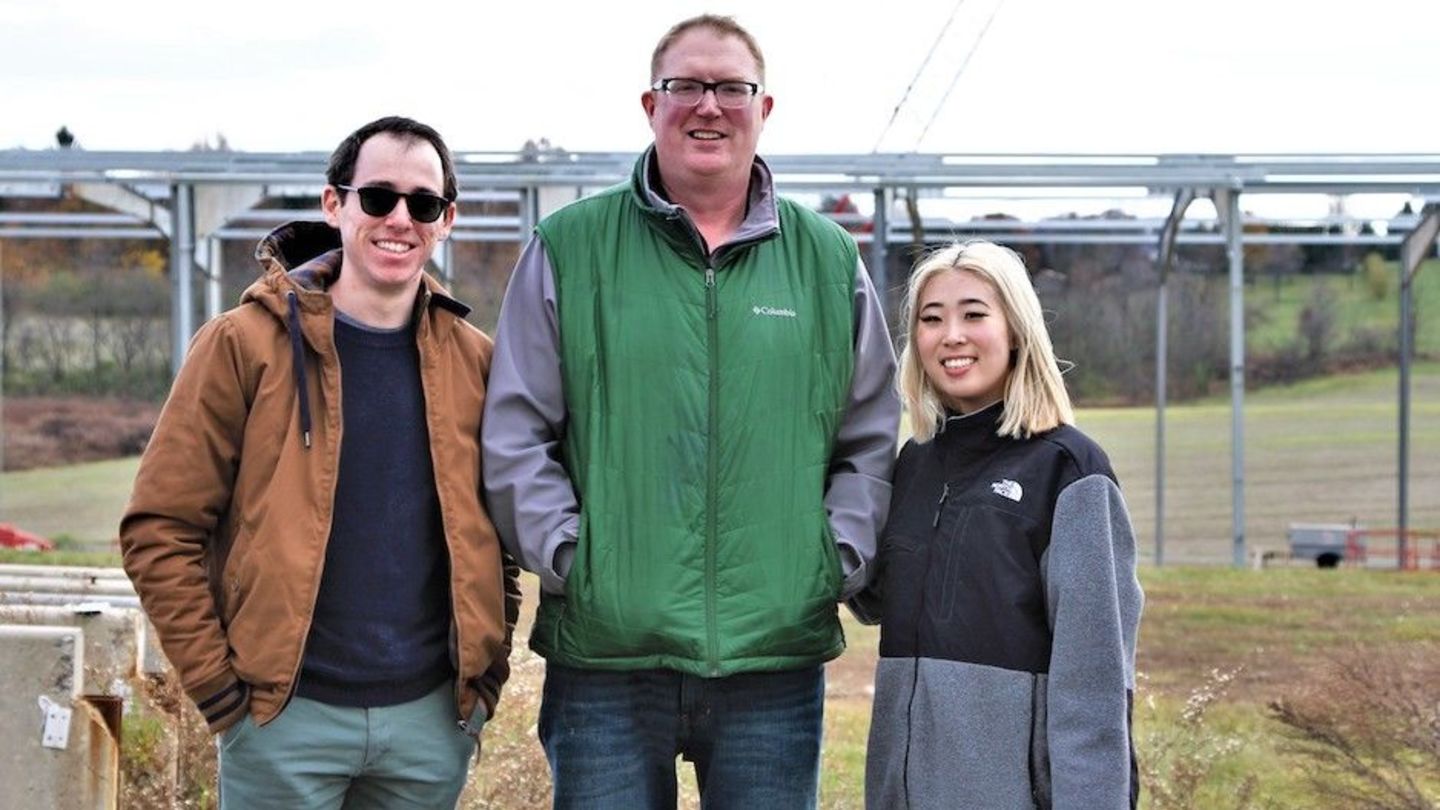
column 378, row 201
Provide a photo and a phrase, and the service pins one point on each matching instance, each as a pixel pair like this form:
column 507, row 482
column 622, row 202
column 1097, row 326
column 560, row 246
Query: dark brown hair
column 341, row 171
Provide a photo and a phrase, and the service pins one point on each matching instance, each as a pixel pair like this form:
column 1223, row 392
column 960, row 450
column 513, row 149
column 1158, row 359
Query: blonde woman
column 1007, row 582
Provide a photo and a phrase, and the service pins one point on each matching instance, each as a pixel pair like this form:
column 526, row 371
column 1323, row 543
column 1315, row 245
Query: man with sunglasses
column 306, row 531
column 689, row 437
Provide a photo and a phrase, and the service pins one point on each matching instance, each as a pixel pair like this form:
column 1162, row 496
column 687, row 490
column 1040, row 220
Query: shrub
column 1368, row 729
column 1378, row 275
column 1316, row 325
column 1180, row 757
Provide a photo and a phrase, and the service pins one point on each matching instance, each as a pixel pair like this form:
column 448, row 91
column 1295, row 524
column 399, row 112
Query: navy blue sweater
column 380, row 634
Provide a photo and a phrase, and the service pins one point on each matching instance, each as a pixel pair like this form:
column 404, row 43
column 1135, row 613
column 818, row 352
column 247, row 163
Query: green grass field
column 79, row 505
column 1321, row 451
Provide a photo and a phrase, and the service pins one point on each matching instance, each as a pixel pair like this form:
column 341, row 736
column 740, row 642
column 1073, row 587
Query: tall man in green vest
column 689, row 436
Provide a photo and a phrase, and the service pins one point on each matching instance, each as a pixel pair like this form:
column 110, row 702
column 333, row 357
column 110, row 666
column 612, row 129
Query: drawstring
column 297, row 349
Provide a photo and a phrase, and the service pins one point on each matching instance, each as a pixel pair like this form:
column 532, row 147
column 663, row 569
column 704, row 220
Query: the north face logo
column 1006, row 488
column 773, row 312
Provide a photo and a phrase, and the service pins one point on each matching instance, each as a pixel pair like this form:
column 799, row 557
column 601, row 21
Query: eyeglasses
column 731, row 94
column 378, row 201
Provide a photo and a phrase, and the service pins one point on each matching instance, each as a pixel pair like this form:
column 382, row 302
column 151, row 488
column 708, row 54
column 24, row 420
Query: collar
column 309, row 255
column 762, row 213
column 971, row 430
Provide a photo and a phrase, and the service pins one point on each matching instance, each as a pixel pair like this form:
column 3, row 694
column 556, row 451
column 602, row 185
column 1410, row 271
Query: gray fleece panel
column 952, row 735
column 1094, row 601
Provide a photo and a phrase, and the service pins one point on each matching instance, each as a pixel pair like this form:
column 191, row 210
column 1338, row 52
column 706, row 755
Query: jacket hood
column 297, row 257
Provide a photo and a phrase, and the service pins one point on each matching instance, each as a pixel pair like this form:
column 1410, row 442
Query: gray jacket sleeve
column 1094, row 601
column 857, row 493
column 527, row 489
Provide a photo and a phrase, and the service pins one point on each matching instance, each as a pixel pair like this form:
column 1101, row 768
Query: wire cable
column 918, row 72
column 958, row 73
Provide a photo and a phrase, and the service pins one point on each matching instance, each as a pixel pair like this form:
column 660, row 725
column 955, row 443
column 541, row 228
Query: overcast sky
column 1047, row 75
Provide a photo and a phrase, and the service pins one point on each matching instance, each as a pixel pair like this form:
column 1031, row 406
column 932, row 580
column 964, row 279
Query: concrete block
column 76, row 586
column 49, row 662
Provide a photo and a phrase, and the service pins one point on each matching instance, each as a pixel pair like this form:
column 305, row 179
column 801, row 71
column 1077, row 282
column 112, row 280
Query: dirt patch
column 56, row 431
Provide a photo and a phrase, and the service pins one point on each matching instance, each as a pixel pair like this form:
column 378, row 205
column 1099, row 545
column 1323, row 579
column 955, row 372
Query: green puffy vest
column 703, row 404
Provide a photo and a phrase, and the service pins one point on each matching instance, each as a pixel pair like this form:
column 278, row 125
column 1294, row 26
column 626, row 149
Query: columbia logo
column 1006, row 488
column 774, row 312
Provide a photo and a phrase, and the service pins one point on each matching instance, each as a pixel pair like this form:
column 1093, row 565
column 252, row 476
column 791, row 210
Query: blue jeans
column 612, row 737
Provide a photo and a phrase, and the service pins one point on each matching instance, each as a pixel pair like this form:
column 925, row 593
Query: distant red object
column 11, row 537
column 1360, row 547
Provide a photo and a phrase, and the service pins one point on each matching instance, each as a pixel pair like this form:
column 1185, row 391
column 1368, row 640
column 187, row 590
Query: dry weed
column 1367, row 730
column 1178, row 758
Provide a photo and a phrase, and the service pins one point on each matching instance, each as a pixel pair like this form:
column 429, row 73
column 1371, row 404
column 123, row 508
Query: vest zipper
column 712, row 630
column 711, row 466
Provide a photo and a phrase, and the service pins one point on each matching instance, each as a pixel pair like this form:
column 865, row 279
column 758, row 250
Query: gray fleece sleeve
column 1094, row 601
column 531, row 499
column 857, row 493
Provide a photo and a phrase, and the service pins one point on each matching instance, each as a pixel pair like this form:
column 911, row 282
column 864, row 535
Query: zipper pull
column 940, row 507
column 710, row 303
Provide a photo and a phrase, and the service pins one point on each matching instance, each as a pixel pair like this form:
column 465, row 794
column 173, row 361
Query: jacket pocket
column 980, row 559
column 235, row 579
column 237, row 732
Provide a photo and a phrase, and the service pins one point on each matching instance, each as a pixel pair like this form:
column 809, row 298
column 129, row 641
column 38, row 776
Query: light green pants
column 317, row 756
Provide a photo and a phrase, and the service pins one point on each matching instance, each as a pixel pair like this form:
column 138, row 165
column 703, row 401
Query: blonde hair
column 1035, row 395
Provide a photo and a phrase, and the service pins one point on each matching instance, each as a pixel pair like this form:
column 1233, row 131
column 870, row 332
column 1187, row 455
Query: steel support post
column 214, row 276
column 1227, row 205
column 1164, row 262
column 879, row 250
column 1417, row 245
column 529, row 211
column 182, row 260
column 447, row 264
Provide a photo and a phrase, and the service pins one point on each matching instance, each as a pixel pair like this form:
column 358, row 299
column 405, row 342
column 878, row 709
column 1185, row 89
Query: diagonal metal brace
column 1165, row 256
column 1419, row 241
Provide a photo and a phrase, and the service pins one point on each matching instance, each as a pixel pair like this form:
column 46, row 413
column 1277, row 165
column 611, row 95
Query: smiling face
column 701, row 146
column 384, row 255
column 963, row 340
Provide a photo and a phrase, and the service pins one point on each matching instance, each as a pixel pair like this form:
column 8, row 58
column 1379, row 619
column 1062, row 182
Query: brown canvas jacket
column 225, row 532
